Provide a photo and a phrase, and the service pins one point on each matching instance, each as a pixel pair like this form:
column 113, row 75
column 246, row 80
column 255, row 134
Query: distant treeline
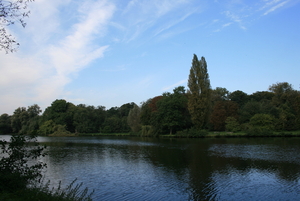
column 276, row 110
column 191, row 112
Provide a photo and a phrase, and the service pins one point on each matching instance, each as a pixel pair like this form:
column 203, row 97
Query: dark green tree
column 199, row 93
column 61, row 112
column 219, row 94
column 88, row 119
column 5, row 125
column 286, row 100
column 26, row 121
column 125, row 108
column 249, row 110
column 263, row 120
column 149, row 110
column 172, row 111
column 261, row 96
column 240, row 97
column 232, row 124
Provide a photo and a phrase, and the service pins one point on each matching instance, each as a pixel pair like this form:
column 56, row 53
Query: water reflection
column 178, row 169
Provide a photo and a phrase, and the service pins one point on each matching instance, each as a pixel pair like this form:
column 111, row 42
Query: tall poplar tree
column 199, row 93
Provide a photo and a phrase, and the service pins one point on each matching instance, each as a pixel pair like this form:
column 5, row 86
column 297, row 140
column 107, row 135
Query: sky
column 112, row 52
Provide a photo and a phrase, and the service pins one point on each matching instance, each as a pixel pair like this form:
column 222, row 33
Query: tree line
column 193, row 111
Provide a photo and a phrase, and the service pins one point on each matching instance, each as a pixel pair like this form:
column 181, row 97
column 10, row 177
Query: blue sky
column 112, row 52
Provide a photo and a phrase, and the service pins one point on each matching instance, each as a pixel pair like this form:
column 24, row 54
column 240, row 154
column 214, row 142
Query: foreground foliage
column 15, row 171
column 21, row 173
column 43, row 192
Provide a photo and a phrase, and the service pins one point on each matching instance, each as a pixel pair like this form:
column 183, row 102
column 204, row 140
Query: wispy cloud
column 275, row 7
column 166, row 88
column 42, row 71
column 242, row 13
column 235, row 18
column 174, row 22
column 141, row 16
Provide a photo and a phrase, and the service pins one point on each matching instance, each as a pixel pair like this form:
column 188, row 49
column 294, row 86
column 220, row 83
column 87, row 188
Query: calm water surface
column 128, row 168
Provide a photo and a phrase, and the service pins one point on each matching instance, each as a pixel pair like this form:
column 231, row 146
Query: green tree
column 281, row 91
column 18, row 119
column 5, row 125
column 133, row 118
column 232, row 124
column 112, row 124
column 47, row 128
column 261, row 96
column 149, row 111
column 172, row 111
column 240, row 97
column 125, row 109
column 199, row 93
column 62, row 113
column 265, row 121
column 219, row 94
column 249, row 110
column 88, row 119
column 286, row 100
column 24, row 120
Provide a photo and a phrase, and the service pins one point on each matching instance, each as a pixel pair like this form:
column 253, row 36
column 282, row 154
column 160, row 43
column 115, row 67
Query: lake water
column 131, row 168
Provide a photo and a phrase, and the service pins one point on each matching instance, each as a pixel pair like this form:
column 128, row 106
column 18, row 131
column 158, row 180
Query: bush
column 147, row 130
column 264, row 121
column 15, row 171
column 20, row 174
column 232, row 125
column 259, row 131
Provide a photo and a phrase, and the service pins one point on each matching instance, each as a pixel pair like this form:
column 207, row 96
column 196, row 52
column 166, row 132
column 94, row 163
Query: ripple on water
column 252, row 184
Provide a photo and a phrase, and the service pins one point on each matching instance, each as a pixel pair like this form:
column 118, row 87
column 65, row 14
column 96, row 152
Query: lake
column 132, row 168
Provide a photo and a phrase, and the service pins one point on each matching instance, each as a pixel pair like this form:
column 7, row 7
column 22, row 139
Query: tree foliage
column 221, row 111
column 172, row 111
column 133, row 118
column 5, row 125
column 199, row 93
column 61, row 112
column 24, row 120
column 239, row 97
column 10, row 13
column 15, row 171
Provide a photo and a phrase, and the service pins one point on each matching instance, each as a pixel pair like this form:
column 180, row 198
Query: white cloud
column 39, row 72
column 275, row 7
column 174, row 85
column 141, row 16
column 235, row 18
column 175, row 22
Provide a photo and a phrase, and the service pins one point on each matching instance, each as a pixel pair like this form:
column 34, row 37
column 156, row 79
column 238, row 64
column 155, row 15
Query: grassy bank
column 105, row 134
column 237, row 134
column 212, row 134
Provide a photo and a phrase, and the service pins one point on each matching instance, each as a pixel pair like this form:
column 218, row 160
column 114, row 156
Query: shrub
column 232, row 125
column 147, row 130
column 264, row 121
column 259, row 131
column 15, row 171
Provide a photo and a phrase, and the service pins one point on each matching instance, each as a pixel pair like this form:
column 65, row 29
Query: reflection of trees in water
column 189, row 162
column 180, row 156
